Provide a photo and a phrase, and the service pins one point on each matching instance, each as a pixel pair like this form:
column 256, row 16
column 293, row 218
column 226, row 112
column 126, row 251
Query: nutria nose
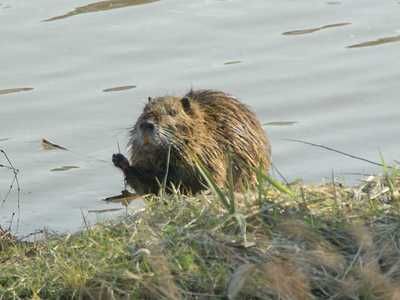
column 147, row 125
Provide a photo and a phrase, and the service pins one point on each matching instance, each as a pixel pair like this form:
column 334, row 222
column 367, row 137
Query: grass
column 281, row 242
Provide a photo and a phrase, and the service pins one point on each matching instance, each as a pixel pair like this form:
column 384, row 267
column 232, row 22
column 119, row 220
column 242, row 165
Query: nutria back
column 205, row 127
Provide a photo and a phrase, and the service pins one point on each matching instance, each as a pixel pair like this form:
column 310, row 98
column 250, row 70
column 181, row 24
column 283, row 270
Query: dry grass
column 311, row 242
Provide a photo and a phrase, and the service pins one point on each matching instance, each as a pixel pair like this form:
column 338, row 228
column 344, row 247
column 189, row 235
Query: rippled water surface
column 77, row 73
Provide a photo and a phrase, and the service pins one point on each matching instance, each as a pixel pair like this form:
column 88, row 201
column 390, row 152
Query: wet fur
column 206, row 127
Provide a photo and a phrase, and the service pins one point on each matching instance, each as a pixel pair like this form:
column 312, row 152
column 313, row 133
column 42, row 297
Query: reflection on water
column 119, row 88
column 311, row 30
column 377, row 42
column 280, row 123
column 4, row 6
column 64, row 168
column 232, row 62
column 15, row 90
column 100, row 6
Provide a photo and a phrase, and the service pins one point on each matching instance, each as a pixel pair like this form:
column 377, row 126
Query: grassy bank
column 282, row 242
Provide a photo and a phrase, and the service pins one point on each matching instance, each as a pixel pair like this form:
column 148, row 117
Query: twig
column 337, row 151
column 279, row 173
column 39, row 231
column 4, row 166
column 9, row 191
column 12, row 219
column 14, row 181
column 355, row 174
column 85, row 222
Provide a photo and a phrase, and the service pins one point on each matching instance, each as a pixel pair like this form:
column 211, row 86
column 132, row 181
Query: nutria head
column 165, row 122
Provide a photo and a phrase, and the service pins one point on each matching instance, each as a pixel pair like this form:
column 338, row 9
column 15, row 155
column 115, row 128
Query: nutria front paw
column 120, row 161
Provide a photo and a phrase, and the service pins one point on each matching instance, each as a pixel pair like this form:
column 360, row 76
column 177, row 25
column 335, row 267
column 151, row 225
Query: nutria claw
column 120, row 161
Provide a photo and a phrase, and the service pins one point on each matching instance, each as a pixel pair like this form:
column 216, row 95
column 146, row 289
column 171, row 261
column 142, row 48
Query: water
column 78, row 73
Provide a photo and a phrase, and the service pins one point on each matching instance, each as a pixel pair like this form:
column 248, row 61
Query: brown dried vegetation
column 318, row 242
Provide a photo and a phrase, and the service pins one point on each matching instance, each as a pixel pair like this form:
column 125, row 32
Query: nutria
column 204, row 127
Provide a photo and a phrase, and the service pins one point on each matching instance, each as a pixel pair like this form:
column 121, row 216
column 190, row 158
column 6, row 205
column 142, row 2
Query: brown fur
column 206, row 127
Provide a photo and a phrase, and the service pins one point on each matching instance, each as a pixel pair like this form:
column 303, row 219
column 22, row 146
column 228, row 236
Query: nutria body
column 204, row 127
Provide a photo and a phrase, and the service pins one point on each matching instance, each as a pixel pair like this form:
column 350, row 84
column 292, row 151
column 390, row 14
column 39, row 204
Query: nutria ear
column 186, row 104
column 149, row 99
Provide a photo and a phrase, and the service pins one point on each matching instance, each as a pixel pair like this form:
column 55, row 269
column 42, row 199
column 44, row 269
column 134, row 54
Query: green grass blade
column 278, row 185
column 214, row 187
